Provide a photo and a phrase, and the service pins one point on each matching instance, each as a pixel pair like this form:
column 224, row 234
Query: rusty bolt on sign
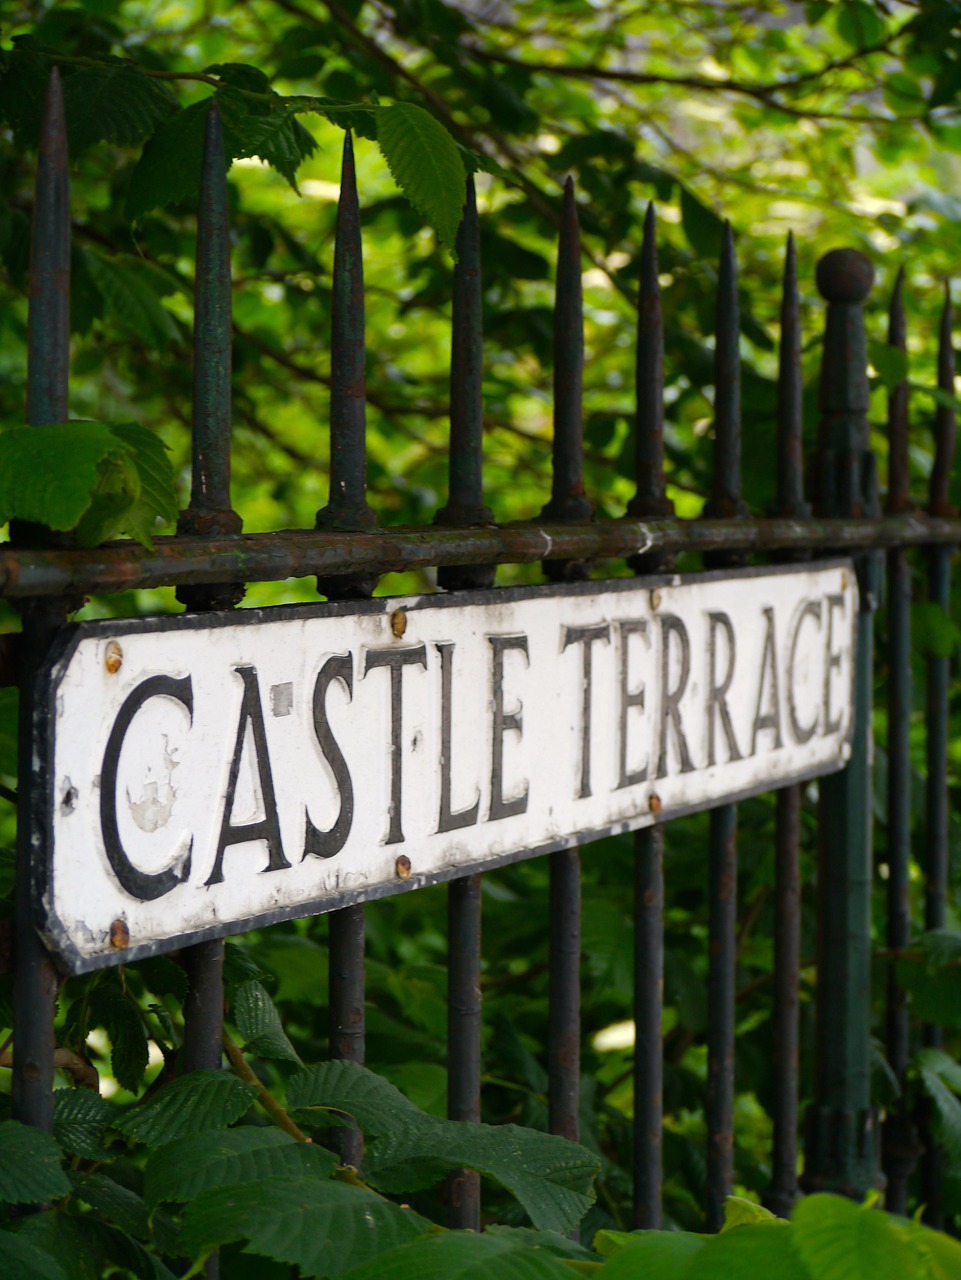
column 654, row 804
column 119, row 935
column 113, row 658
column 398, row 622
column 402, row 867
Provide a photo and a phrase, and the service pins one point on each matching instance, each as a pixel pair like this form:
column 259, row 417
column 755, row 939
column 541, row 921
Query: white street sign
column 207, row 773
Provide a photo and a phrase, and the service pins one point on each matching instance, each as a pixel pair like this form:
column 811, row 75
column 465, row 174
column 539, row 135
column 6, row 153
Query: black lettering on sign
column 502, row 722
column 396, row 660
column 324, row 844
column 671, row 625
column 586, row 636
column 145, row 886
column 717, row 693
column 802, row 732
column 629, row 698
column 832, row 662
column 771, row 719
column 448, row 820
column 265, row 828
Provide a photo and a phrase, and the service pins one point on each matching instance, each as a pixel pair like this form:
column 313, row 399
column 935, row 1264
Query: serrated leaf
column 124, row 1208
column 48, row 475
column 132, row 293
column 163, row 977
column 476, row 162
column 323, row 1228
column 279, row 139
column 182, row 1170
column 240, row 965
column 839, row 1240
column 259, row 1023
column 550, row 1241
column 152, row 460
column 457, row 1255
column 25, row 1261
column 113, row 102
column 168, row 170
column 551, row 1177
column 426, row 164
column 202, row 1100
column 947, row 1107
column 119, row 1016
column 80, row 1120
column 30, row 1171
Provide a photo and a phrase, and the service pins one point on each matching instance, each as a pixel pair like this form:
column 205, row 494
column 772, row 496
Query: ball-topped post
column 841, row 1148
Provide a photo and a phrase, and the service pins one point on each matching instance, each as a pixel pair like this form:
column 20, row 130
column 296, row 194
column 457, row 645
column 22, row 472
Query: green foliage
column 425, row 163
column 192, row 1104
column 183, row 1169
column 29, row 1165
column 94, row 478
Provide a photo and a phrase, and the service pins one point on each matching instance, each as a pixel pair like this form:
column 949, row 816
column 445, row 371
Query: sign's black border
column 42, row 788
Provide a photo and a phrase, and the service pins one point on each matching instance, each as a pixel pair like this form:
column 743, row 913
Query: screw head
column 402, row 867
column 654, row 803
column 119, row 935
column 656, row 598
column 113, row 657
column 398, row 622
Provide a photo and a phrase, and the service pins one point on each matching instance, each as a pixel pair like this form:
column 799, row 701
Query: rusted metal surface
column 789, row 501
column 649, row 498
column 726, row 501
column 48, row 355
column 648, row 1011
column 347, row 1014
column 271, row 557
column 841, row 1148
column 465, row 500
column 564, row 1033
column 899, row 1139
column 464, row 1036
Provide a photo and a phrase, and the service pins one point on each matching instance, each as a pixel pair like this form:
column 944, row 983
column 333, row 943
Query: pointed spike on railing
column 48, row 342
column 568, row 501
column 726, row 485
column 210, row 510
column 945, row 419
column 898, row 471
column 790, row 391
column 465, row 503
column 347, row 506
column 649, row 496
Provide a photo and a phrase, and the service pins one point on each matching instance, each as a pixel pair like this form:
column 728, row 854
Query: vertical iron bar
column 841, row 1149
column 567, row 502
column 465, row 497
column 787, row 823
column 899, row 1140
column 725, row 503
column 465, row 506
column 209, row 514
column 937, row 686
column 649, row 499
column 464, row 1036
column 347, row 509
column 48, row 365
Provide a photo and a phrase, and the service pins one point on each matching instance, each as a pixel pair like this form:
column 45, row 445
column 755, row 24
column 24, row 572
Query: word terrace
column 212, row 772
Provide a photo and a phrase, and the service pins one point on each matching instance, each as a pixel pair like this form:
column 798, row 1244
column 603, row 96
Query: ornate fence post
column 842, row 1129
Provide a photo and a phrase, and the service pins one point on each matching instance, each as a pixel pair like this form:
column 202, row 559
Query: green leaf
column 132, row 291
column 114, row 102
column 118, row 1204
column 162, row 976
column 48, row 475
column 938, row 1081
column 182, row 1170
column 859, row 24
column 30, row 1171
column 158, row 497
column 703, row 228
column 25, row 1261
column 839, row 1240
column 120, row 1017
column 457, row 1255
column 552, row 1178
column 651, row 1254
column 937, row 1253
column 323, row 1228
column 279, row 139
column 168, row 170
column 739, row 1212
column 259, row 1023
column 9, row 732
column 890, row 362
column 550, row 1241
column 426, row 164
column 202, row 1100
column 748, row 1252
column 80, row 1120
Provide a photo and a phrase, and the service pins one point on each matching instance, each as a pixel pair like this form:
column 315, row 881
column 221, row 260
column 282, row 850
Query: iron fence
column 209, row 559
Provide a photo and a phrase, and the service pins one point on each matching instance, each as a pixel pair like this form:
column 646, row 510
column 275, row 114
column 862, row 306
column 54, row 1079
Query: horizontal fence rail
column 210, row 558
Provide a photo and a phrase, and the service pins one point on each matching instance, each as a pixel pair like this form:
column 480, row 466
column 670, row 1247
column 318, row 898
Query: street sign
column 207, row 773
